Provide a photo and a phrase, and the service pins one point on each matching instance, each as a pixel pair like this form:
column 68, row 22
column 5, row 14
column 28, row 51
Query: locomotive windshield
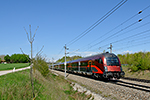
column 112, row 61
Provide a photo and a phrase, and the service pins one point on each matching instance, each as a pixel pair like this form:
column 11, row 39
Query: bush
column 134, row 68
column 40, row 64
column 137, row 61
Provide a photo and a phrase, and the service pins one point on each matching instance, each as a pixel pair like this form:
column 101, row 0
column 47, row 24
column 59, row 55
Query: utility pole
column 110, row 47
column 52, row 63
column 65, row 58
column 31, row 39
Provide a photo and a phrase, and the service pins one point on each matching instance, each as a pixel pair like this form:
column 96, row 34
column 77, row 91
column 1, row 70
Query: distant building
column 2, row 58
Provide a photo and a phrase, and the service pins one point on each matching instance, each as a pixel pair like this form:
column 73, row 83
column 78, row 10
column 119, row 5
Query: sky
column 70, row 22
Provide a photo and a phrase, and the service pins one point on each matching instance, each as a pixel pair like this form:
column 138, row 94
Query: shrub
column 40, row 64
column 134, row 68
column 141, row 60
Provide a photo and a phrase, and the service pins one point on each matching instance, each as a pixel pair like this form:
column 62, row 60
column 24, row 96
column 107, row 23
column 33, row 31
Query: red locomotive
column 105, row 65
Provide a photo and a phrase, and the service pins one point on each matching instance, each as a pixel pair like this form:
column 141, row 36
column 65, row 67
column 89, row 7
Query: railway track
column 139, row 84
column 121, row 89
column 131, row 84
column 135, row 79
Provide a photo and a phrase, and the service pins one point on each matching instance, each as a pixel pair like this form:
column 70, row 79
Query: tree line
column 68, row 58
column 136, row 61
column 17, row 58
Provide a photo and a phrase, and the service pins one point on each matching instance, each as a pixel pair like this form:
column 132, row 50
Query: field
column 11, row 66
column 16, row 86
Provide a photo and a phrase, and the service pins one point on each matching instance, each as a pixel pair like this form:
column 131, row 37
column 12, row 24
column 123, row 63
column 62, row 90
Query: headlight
column 105, row 68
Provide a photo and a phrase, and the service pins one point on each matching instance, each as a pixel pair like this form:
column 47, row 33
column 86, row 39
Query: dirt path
column 11, row 71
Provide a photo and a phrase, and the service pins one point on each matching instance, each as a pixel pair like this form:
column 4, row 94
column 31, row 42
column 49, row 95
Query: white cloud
column 124, row 52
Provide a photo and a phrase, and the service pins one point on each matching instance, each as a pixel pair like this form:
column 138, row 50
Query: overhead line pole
column 52, row 63
column 110, row 47
column 65, row 58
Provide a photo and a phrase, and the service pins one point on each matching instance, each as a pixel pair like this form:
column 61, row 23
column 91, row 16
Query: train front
column 112, row 66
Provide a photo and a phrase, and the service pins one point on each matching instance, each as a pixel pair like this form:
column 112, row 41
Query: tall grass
column 17, row 86
column 11, row 66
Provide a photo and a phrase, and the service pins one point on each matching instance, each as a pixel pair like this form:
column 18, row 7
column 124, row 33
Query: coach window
column 100, row 61
column 84, row 63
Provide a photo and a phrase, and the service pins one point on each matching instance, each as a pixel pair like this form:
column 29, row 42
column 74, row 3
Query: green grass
column 16, row 86
column 11, row 66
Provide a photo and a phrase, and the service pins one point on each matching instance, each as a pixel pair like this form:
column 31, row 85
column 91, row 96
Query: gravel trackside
column 108, row 90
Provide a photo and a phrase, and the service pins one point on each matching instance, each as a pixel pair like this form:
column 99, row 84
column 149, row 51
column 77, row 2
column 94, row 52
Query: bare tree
column 31, row 39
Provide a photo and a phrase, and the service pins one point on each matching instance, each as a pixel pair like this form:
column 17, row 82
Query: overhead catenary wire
column 132, row 41
column 121, row 24
column 126, row 33
column 132, row 36
column 60, row 52
column 145, row 36
column 114, row 34
column 94, row 23
column 97, row 23
column 120, row 31
column 137, row 40
column 80, row 36
column 133, row 45
column 120, row 47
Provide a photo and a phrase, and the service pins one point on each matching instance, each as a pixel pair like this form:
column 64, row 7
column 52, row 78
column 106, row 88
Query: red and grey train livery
column 105, row 65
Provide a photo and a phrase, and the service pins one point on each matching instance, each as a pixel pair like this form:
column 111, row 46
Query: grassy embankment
column 16, row 86
column 141, row 74
column 11, row 66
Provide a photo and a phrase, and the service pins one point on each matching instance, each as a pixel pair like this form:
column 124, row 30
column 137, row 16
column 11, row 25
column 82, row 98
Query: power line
column 96, row 23
column 118, row 26
column 121, row 30
column 134, row 29
column 121, row 23
column 131, row 44
column 138, row 40
column 128, row 37
column 132, row 36
column 146, row 8
column 114, row 34
column 127, row 32
column 135, row 45
column 61, row 50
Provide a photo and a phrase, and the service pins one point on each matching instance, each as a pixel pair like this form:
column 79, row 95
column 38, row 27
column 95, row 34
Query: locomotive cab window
column 112, row 61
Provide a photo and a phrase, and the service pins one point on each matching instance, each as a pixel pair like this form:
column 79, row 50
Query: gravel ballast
column 108, row 90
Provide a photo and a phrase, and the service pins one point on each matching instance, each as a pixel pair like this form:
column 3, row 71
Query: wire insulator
column 140, row 20
column 140, row 12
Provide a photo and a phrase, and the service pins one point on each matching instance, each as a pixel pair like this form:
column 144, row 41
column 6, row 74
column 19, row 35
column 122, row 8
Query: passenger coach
column 105, row 65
